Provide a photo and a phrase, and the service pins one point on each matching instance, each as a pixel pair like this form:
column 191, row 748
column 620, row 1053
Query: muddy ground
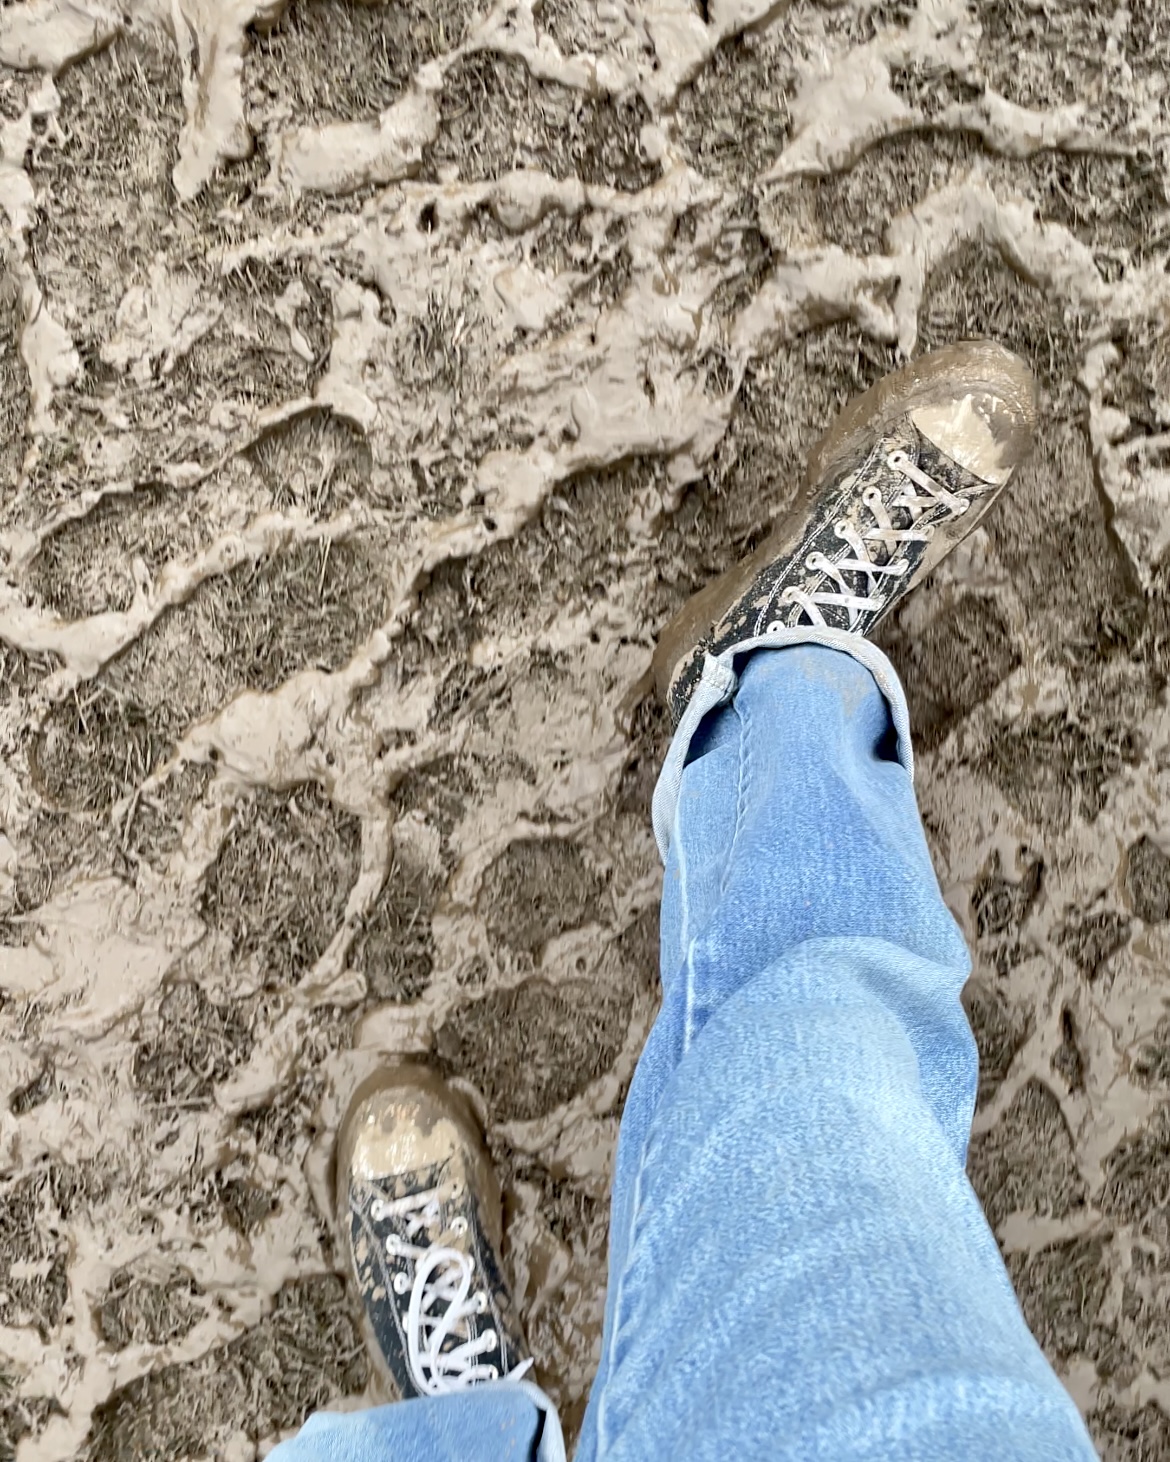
column 375, row 380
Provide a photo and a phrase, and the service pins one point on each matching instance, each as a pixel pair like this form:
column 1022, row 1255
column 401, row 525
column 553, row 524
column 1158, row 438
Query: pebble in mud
column 348, row 477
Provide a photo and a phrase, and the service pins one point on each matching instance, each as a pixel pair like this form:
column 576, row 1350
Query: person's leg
column 799, row 1267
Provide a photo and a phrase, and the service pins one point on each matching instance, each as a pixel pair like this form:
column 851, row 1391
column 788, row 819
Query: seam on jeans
column 689, row 1007
column 684, row 939
column 689, row 946
column 684, row 892
column 603, row 1399
column 740, row 792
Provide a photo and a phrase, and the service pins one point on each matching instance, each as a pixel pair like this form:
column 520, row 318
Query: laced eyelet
column 871, row 496
column 378, row 1210
column 841, row 529
column 902, row 566
column 897, row 460
column 490, row 1340
column 400, row 1282
column 459, row 1225
column 493, row 1374
column 775, row 627
column 392, row 1245
column 481, row 1303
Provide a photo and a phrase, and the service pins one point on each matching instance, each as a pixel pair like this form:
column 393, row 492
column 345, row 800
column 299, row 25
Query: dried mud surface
column 375, row 380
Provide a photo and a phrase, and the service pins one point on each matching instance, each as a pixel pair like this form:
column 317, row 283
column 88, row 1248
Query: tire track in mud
column 470, row 438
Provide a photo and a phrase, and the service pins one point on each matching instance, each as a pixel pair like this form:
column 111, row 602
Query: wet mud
column 375, row 381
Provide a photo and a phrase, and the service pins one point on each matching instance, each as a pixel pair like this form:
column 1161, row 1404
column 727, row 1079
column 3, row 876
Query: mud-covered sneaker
column 904, row 472
column 420, row 1213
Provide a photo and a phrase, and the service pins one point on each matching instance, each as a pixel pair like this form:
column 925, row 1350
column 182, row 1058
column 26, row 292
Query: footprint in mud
column 270, row 340
column 25, row 1416
column 1025, row 1163
column 1000, row 1027
column 147, row 1308
column 1137, row 1180
column 1016, row 62
column 495, row 116
column 261, row 333
column 1053, row 769
column 1146, row 881
column 951, row 667
column 575, row 27
column 308, row 607
column 536, row 889
column 1064, row 1291
column 1151, row 1065
column 281, row 879
column 307, row 1351
column 567, row 551
column 34, row 1288
column 1124, row 1434
column 1001, row 905
column 1145, row 1308
column 535, row 1047
column 190, row 1043
column 733, row 119
column 341, row 61
column 1092, row 939
column 104, row 181
column 394, row 948
column 317, row 462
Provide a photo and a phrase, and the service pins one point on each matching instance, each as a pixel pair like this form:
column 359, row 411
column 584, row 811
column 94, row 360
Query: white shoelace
column 885, row 535
column 441, row 1302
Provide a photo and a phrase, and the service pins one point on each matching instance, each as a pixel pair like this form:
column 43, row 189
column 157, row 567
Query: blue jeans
column 798, row 1265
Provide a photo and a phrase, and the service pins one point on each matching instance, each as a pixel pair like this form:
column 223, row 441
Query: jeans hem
column 717, row 685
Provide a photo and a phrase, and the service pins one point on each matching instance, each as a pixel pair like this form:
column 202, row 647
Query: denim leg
column 509, row 1421
column 798, row 1265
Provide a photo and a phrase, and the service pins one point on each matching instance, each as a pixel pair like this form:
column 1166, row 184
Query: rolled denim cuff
column 717, row 685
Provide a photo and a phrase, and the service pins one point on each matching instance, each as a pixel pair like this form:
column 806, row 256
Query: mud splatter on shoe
column 419, row 1209
column 903, row 474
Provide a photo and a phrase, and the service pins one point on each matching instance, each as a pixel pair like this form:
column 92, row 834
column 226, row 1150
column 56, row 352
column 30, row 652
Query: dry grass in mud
column 323, row 721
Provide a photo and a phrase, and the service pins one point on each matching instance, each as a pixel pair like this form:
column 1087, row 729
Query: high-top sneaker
column 904, row 473
column 419, row 1208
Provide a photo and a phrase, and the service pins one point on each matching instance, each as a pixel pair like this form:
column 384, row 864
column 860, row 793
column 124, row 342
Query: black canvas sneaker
column 420, row 1213
column 904, row 473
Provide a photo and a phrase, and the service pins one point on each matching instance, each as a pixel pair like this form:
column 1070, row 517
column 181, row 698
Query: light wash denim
column 798, row 1265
